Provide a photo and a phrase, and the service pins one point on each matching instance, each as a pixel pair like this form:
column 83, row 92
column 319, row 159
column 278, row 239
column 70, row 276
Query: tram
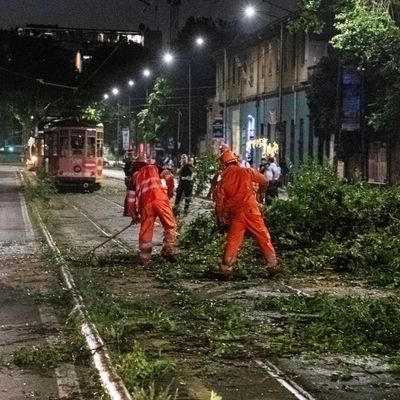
column 73, row 153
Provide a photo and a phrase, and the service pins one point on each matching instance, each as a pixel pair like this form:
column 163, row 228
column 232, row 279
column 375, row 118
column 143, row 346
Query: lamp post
column 115, row 92
column 169, row 59
column 147, row 74
column 131, row 84
column 251, row 12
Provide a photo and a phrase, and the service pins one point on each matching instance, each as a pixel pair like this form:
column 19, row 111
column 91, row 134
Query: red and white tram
column 73, row 153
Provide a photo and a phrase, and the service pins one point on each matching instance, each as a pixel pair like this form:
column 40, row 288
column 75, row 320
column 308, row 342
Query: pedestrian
column 152, row 187
column 185, row 184
column 273, row 175
column 236, row 207
column 262, row 189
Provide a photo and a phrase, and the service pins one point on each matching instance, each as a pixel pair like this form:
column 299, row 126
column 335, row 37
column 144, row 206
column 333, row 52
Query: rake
column 91, row 252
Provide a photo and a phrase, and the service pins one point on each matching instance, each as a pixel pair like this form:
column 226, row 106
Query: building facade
column 261, row 93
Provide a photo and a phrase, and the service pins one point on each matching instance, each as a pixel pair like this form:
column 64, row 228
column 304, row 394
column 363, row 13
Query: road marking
column 30, row 235
column 287, row 383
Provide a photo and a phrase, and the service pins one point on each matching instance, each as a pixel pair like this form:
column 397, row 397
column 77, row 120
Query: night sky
column 117, row 14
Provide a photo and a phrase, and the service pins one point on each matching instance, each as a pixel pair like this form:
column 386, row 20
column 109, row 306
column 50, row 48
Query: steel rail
column 110, row 380
column 284, row 381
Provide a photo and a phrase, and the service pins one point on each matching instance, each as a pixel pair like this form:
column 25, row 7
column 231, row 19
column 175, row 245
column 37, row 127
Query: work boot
column 143, row 260
column 226, row 272
column 273, row 269
column 169, row 257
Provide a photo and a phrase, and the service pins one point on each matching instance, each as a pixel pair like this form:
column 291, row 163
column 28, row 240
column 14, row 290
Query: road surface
column 23, row 321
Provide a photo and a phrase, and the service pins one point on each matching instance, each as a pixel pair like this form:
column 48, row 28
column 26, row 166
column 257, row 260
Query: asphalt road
column 23, row 322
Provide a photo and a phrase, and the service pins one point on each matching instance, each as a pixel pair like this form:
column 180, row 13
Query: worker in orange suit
column 149, row 198
column 237, row 208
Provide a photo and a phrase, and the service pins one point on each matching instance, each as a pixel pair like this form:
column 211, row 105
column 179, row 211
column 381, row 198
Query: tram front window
column 77, row 144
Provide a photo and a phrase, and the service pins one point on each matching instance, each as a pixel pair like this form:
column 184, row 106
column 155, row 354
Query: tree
column 153, row 119
column 365, row 35
column 36, row 72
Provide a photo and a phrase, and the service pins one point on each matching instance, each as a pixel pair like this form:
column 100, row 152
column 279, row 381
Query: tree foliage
column 365, row 34
column 153, row 119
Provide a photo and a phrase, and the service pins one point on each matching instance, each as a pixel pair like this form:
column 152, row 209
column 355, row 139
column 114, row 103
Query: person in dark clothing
column 185, row 184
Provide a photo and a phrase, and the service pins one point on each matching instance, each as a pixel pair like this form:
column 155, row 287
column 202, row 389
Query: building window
column 285, row 49
column 263, row 61
column 301, row 140
column 251, row 127
column 292, row 135
column 269, row 58
column 278, row 55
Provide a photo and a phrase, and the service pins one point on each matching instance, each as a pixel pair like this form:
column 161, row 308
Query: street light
column 106, row 96
column 168, row 59
column 250, row 12
column 200, row 41
column 131, row 84
column 115, row 92
column 147, row 74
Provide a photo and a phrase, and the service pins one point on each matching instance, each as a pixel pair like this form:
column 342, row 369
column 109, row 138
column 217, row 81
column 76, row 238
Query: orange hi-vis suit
column 236, row 206
column 151, row 199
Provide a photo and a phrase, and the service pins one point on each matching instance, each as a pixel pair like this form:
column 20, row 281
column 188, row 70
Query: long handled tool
column 90, row 252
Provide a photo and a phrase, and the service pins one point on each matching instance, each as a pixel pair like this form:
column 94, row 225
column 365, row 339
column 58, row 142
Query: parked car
column 106, row 163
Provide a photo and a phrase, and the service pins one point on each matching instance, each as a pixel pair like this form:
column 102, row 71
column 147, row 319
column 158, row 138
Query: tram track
column 109, row 275
column 286, row 286
column 97, row 346
column 195, row 386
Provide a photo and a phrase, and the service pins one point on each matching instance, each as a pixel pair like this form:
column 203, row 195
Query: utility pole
column 190, row 111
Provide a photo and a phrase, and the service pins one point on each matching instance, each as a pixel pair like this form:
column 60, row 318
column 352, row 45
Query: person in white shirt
column 273, row 174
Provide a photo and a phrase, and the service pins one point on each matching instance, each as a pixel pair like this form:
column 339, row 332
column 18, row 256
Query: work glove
column 135, row 219
column 222, row 223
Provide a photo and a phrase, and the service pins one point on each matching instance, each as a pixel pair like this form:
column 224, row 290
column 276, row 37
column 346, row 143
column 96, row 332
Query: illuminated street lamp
column 146, row 73
column 250, row 12
column 199, row 41
column 168, row 59
column 115, row 92
column 106, row 96
column 131, row 84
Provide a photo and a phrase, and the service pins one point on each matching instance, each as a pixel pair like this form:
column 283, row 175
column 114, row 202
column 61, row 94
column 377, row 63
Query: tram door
column 99, row 150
